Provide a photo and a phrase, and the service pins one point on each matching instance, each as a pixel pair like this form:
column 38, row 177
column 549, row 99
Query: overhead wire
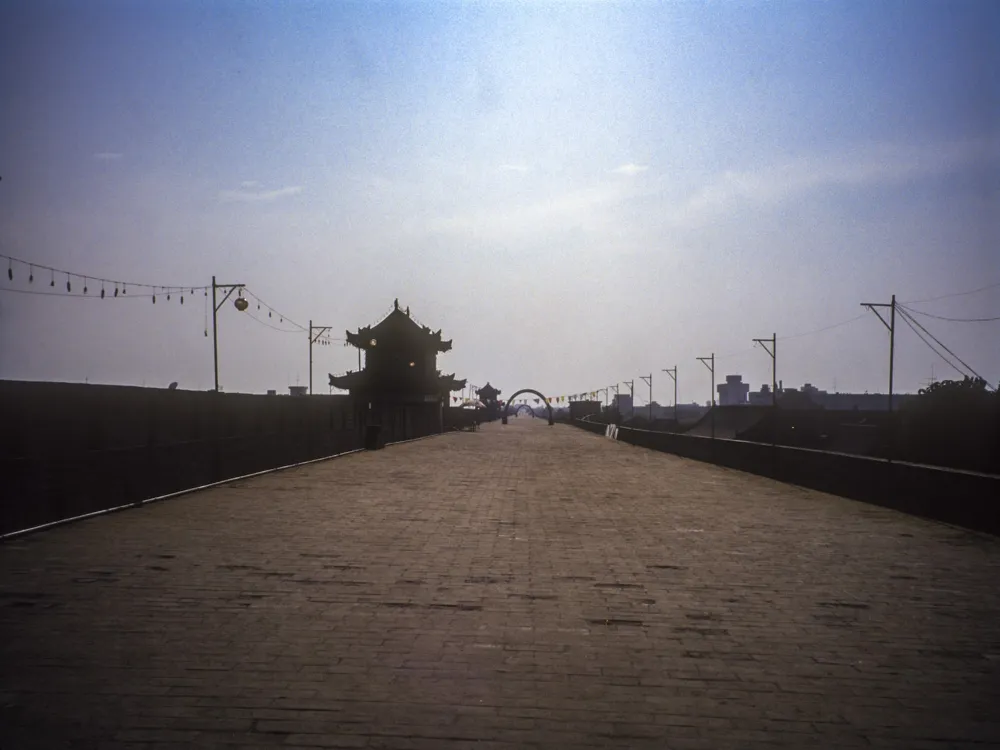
column 794, row 336
column 953, row 320
column 932, row 347
column 909, row 318
column 268, row 325
column 821, row 330
column 954, row 294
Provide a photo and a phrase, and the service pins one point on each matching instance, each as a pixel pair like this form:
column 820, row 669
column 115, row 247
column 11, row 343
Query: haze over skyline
column 576, row 193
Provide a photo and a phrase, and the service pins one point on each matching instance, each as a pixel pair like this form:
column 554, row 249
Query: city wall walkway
column 522, row 586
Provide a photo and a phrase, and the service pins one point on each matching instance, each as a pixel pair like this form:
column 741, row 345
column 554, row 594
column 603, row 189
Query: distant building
column 856, row 401
column 622, row 403
column 298, row 390
column 809, row 396
column 733, row 392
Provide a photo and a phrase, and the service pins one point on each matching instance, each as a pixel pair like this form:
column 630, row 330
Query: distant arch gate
column 526, row 407
column 506, row 406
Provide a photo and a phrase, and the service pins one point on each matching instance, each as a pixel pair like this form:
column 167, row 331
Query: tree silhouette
column 953, row 423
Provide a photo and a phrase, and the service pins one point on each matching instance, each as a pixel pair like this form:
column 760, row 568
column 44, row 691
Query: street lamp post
column 607, row 399
column 673, row 374
column 313, row 338
column 891, row 327
column 648, row 379
column 773, row 351
column 705, row 361
column 241, row 305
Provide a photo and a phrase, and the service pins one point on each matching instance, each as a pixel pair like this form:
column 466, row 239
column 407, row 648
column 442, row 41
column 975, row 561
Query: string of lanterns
column 551, row 399
column 64, row 283
column 95, row 287
column 272, row 314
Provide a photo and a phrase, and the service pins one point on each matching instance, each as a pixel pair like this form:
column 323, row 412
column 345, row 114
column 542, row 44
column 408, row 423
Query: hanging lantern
column 240, row 303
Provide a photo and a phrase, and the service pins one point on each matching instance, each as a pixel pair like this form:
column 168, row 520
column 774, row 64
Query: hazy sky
column 577, row 194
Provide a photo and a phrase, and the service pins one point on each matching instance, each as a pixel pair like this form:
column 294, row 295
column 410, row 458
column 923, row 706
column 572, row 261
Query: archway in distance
column 506, row 405
column 519, row 407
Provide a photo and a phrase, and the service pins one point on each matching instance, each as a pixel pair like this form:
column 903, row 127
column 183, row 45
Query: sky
column 577, row 194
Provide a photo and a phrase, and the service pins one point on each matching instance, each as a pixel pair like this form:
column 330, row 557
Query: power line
column 796, row 336
column 821, row 330
column 906, row 316
column 734, row 354
column 932, row 348
column 953, row 320
column 955, row 294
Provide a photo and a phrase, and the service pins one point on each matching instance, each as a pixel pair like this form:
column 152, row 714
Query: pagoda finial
column 396, row 302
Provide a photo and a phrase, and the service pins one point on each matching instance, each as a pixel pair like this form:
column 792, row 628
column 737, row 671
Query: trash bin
column 372, row 437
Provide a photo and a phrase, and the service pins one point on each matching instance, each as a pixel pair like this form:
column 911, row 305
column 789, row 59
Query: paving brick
column 521, row 586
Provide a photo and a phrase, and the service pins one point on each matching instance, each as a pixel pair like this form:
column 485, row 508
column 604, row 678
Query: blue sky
column 577, row 193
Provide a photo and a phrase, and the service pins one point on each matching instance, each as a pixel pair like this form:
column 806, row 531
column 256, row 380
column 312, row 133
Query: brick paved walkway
column 523, row 586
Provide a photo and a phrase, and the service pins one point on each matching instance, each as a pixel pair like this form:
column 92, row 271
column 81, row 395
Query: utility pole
column 673, row 374
column 773, row 351
column 631, row 392
column 313, row 338
column 711, row 367
column 891, row 327
column 241, row 305
column 649, row 379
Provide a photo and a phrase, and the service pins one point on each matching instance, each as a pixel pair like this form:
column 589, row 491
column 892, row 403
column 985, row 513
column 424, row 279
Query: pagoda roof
column 397, row 326
column 488, row 391
column 349, row 381
column 450, row 383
